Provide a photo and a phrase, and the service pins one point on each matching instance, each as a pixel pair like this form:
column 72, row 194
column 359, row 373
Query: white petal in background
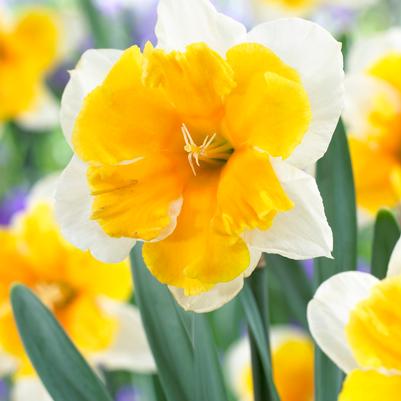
column 329, row 312
column 181, row 22
column 302, row 232
column 130, row 349
column 219, row 295
column 90, row 72
column 367, row 51
column 43, row 115
column 394, row 267
column 361, row 95
column 30, row 389
column 73, row 210
column 296, row 42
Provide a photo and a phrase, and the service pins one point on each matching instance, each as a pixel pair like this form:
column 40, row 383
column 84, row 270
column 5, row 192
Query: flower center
column 54, row 295
column 214, row 150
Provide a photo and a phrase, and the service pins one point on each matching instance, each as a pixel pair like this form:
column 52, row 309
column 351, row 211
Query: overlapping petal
column 181, row 22
column 301, row 232
column 295, row 41
column 194, row 257
column 73, row 209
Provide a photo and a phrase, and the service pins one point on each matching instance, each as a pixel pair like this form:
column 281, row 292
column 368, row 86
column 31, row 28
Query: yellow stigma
column 211, row 150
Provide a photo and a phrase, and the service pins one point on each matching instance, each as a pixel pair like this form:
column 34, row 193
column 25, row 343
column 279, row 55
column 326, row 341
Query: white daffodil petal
column 394, row 267
column 181, row 22
column 361, row 94
column 303, row 231
column 29, row 389
column 73, row 211
column 296, row 42
column 354, row 4
column 365, row 52
column 43, row 115
column 90, row 72
column 130, row 349
column 219, row 295
column 329, row 311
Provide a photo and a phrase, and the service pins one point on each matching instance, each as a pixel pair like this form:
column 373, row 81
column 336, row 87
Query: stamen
column 214, row 155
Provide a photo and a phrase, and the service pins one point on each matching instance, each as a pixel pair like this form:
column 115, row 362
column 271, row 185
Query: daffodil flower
column 292, row 361
column 270, row 9
column 355, row 319
column 32, row 42
column 197, row 148
column 86, row 296
column 373, row 116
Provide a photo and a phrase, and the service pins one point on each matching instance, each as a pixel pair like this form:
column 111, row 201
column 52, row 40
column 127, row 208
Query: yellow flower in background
column 355, row 319
column 86, row 296
column 373, row 117
column 197, row 148
column 270, row 9
column 292, row 361
column 29, row 48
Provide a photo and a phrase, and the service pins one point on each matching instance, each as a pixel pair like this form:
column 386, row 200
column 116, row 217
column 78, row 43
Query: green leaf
column 62, row 369
column 255, row 304
column 168, row 331
column 336, row 184
column 209, row 377
column 96, row 23
column 386, row 235
column 294, row 283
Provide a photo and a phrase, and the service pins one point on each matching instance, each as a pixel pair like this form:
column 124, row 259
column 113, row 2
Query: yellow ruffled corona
column 196, row 149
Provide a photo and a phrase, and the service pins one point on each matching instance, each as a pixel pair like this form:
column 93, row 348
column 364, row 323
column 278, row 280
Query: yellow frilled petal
column 195, row 82
column 250, row 59
column 388, row 69
column 273, row 113
column 122, row 119
column 198, row 254
column 293, row 370
column 374, row 328
column 88, row 326
column 138, row 200
column 376, row 173
column 370, row 386
column 246, row 204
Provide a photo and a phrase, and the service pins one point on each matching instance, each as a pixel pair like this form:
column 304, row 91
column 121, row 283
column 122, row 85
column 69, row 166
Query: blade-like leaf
column 168, row 331
column 62, row 369
column 294, row 283
column 386, row 235
column 254, row 301
column 336, row 184
column 209, row 377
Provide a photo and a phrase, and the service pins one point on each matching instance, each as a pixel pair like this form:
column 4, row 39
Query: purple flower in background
column 13, row 202
column 127, row 393
column 308, row 267
column 4, row 388
column 336, row 19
